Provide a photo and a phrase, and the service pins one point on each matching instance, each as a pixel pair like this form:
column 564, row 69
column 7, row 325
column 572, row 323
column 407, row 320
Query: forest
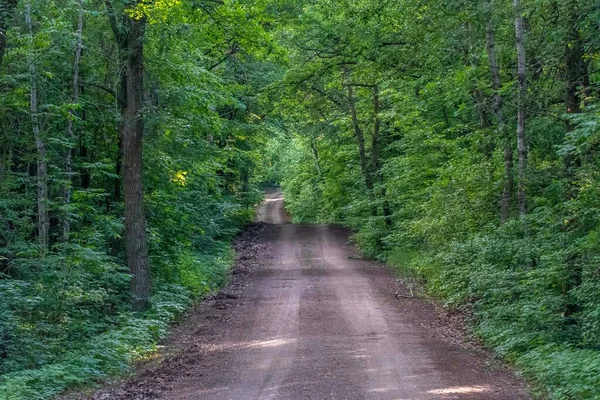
column 458, row 139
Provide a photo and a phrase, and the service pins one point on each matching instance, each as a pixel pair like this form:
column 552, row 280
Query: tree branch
column 107, row 90
column 234, row 49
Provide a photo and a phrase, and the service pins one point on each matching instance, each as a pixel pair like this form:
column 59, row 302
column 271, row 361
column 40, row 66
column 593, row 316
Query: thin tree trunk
column 522, row 80
column 121, row 95
column 375, row 165
column 358, row 133
column 497, row 106
column 484, row 119
column 577, row 79
column 577, row 75
column 84, row 173
column 376, row 129
column 42, row 167
column 315, row 154
column 7, row 7
column 70, row 121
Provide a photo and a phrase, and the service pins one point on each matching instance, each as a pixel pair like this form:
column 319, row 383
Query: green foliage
column 65, row 315
column 378, row 115
column 106, row 354
column 427, row 199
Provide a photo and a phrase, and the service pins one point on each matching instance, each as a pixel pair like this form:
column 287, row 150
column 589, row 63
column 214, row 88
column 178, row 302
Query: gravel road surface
column 317, row 322
column 305, row 317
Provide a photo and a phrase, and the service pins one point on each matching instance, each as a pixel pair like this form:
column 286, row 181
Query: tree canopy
column 458, row 139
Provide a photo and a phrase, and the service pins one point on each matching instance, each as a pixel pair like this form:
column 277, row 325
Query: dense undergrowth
column 66, row 296
column 396, row 133
column 516, row 279
column 396, row 118
column 83, row 331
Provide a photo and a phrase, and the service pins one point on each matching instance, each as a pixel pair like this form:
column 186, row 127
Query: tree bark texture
column 315, row 153
column 130, row 38
column 132, row 128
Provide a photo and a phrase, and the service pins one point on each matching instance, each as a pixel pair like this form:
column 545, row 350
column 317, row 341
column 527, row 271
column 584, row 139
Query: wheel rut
column 311, row 320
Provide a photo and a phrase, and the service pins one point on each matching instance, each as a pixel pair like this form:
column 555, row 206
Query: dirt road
column 313, row 321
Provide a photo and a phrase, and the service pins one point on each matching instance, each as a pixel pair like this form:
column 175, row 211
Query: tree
column 6, row 10
column 69, row 92
column 522, row 101
column 497, row 106
column 42, row 166
column 130, row 40
column 392, row 118
column 576, row 71
column 71, row 119
column 358, row 132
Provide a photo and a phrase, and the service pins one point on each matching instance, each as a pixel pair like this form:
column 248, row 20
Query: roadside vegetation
column 91, row 276
column 458, row 139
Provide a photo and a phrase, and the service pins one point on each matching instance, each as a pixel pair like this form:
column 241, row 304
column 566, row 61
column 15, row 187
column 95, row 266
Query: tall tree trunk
column 375, row 165
column 132, row 129
column 70, row 122
column 6, row 11
column 376, row 130
column 522, row 80
column 577, row 73
column 498, row 108
column 42, row 167
column 315, row 153
column 130, row 38
column 358, row 133
column 82, row 152
column 577, row 79
column 484, row 119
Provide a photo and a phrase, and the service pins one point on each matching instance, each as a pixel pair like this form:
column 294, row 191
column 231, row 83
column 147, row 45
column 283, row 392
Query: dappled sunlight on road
column 272, row 210
column 317, row 323
column 462, row 390
column 257, row 344
column 274, row 199
column 271, row 343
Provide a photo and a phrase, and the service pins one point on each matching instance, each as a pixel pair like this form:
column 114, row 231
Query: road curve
column 316, row 322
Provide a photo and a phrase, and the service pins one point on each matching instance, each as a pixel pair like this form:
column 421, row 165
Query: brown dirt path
column 307, row 319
